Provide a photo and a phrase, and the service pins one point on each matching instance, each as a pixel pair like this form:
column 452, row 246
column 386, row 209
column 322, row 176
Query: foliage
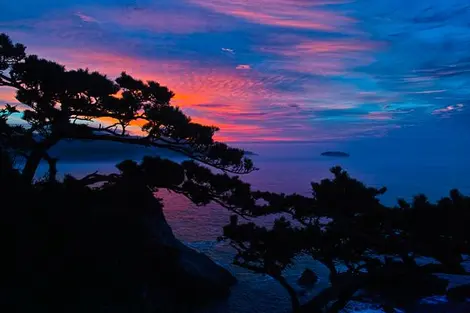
column 72, row 248
column 59, row 104
column 375, row 253
column 85, row 244
column 89, row 236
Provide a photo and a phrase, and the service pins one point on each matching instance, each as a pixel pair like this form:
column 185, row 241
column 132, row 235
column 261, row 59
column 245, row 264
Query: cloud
column 270, row 69
column 161, row 21
column 212, row 95
column 7, row 95
column 211, row 105
column 282, row 13
column 228, row 50
column 449, row 109
column 379, row 116
column 86, row 18
column 325, row 57
column 112, row 19
column 243, row 67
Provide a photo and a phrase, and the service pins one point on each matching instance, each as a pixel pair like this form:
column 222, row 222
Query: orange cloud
column 193, row 83
column 246, row 104
column 334, row 46
column 7, row 95
column 230, row 131
column 198, row 89
column 287, row 61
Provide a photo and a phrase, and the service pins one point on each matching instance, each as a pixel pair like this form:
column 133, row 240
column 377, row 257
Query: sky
column 263, row 70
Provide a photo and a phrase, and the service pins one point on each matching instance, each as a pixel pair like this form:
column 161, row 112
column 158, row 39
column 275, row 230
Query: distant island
column 335, row 154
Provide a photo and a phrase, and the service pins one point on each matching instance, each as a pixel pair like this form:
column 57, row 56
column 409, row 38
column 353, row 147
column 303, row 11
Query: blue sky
column 271, row 69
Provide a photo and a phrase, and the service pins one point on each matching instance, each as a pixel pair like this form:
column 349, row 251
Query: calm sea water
column 288, row 168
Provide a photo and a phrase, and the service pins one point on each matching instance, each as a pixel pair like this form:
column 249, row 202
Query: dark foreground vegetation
column 100, row 243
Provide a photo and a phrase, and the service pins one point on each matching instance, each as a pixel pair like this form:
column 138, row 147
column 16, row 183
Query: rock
column 109, row 251
column 308, row 278
column 196, row 275
column 335, row 154
column 176, row 278
column 192, row 262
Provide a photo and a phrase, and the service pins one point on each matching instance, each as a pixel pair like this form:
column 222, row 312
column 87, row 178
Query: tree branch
column 95, row 178
column 214, row 198
column 52, row 167
column 147, row 142
column 8, row 82
column 339, row 292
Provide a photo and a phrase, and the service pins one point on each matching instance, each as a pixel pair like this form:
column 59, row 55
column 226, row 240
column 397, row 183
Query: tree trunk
column 332, row 268
column 52, row 175
column 340, row 294
column 38, row 152
column 32, row 163
column 293, row 295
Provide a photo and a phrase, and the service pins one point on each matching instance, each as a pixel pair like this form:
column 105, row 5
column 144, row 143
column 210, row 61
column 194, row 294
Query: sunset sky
column 270, row 69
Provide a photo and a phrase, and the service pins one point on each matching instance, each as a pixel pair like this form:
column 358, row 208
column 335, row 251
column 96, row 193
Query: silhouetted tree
column 384, row 255
column 83, row 244
column 90, row 236
column 61, row 104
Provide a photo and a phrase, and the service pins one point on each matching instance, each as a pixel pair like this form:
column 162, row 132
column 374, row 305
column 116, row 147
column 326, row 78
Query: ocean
column 291, row 167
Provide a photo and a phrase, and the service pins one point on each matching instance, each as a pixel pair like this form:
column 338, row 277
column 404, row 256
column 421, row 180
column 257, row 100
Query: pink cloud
column 379, row 116
column 321, row 57
column 193, row 85
column 243, row 67
column 246, row 103
column 332, row 47
column 285, row 13
column 86, row 18
column 7, row 95
column 252, row 109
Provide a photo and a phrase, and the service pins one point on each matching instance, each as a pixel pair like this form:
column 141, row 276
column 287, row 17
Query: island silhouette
column 335, row 154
